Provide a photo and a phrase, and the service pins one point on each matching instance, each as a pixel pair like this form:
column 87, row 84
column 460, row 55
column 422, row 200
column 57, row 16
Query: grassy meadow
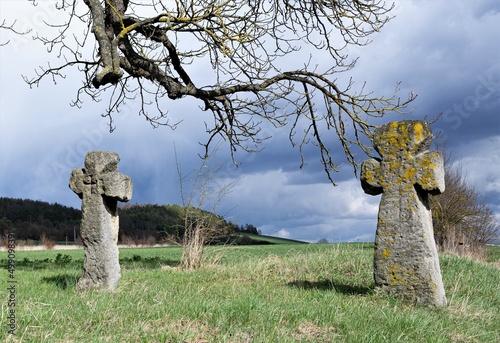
column 271, row 293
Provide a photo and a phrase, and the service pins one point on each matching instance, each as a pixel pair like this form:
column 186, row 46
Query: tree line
column 32, row 219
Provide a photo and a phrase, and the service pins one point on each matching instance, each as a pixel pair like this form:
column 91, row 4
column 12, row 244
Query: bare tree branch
column 11, row 27
column 147, row 49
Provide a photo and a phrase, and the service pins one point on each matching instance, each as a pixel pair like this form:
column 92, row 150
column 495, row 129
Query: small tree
column 46, row 241
column 463, row 223
column 200, row 227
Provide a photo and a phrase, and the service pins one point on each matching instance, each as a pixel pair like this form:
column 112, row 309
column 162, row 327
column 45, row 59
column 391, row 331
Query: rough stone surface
column 100, row 186
column 406, row 261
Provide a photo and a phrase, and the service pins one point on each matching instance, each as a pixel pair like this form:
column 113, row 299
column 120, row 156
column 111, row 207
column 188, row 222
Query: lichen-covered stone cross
column 406, row 261
column 100, row 186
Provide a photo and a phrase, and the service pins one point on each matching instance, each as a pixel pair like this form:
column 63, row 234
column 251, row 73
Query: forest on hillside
column 139, row 224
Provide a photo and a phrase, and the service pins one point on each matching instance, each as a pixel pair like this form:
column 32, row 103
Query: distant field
column 269, row 293
column 272, row 239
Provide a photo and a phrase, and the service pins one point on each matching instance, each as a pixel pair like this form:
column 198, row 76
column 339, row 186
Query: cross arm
column 431, row 171
column 116, row 185
column 76, row 181
column 370, row 176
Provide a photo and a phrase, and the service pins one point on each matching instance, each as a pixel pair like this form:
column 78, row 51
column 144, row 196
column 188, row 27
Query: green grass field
column 271, row 293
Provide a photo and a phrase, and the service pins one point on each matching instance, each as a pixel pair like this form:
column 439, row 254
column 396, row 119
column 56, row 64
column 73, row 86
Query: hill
column 31, row 218
column 139, row 224
column 263, row 239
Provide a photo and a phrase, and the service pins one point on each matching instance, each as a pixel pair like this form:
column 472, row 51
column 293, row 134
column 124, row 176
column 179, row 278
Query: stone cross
column 100, row 186
column 406, row 261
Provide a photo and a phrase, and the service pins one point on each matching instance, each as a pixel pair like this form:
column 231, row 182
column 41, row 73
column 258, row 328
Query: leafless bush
column 463, row 223
column 150, row 240
column 193, row 244
column 460, row 245
column 126, row 240
column 46, row 241
column 201, row 226
column 171, row 239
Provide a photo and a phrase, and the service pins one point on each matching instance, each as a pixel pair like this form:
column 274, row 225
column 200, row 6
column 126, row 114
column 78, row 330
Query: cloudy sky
column 448, row 52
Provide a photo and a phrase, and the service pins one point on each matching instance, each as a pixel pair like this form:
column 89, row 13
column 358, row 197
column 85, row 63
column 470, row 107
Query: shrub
column 46, row 241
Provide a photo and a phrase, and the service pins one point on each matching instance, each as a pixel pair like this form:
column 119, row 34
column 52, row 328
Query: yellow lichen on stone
column 394, row 278
column 410, row 173
column 419, row 132
column 394, row 164
column 369, row 176
column 406, row 171
column 394, row 126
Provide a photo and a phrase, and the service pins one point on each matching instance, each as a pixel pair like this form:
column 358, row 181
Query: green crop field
column 270, row 293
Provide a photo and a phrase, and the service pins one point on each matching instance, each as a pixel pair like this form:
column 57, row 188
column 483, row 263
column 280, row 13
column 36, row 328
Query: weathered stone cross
column 406, row 261
column 100, row 186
